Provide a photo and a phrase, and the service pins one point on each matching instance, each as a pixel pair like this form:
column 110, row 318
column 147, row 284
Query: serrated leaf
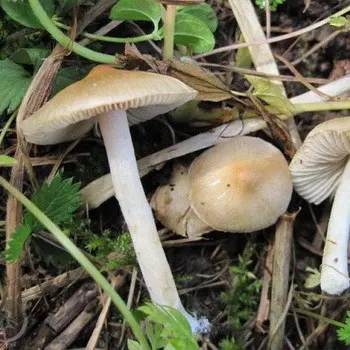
column 22, row 13
column 313, row 279
column 58, row 199
column 6, row 160
column 52, row 255
column 15, row 247
column 134, row 345
column 176, row 330
column 193, row 33
column 67, row 76
column 271, row 94
column 30, row 56
column 209, row 87
column 14, row 82
column 137, row 10
column 344, row 332
column 338, row 21
column 203, row 12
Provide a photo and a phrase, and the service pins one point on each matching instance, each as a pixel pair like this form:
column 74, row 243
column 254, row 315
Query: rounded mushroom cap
column 172, row 206
column 68, row 115
column 241, row 185
column 318, row 165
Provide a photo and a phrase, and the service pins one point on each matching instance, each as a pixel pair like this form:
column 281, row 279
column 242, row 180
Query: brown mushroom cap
column 319, row 163
column 69, row 114
column 241, row 185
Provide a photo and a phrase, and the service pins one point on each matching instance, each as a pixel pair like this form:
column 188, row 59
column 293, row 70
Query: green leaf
column 313, row 279
column 203, row 12
column 58, row 199
column 271, row 94
column 15, row 248
column 338, row 21
column 176, row 331
column 32, row 57
column 243, row 57
column 137, row 10
column 67, row 76
column 14, row 82
column 193, row 33
column 6, row 160
column 344, row 332
column 154, row 335
column 22, row 13
column 273, row 4
column 134, row 345
column 51, row 253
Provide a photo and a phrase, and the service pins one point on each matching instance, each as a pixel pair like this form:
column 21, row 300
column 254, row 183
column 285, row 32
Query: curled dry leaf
column 209, row 87
column 133, row 58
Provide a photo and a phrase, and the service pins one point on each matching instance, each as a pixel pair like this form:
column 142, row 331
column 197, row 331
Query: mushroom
column 173, row 208
column 241, row 185
column 113, row 97
column 320, row 167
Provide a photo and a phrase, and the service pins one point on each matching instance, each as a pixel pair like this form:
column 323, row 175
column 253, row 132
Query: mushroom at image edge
column 320, row 167
column 107, row 93
column 241, row 185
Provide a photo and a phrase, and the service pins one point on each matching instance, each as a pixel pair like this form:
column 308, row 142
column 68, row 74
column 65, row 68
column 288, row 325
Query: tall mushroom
column 320, row 167
column 241, row 185
column 113, row 97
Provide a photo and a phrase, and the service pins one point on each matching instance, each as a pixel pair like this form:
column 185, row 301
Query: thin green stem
column 83, row 261
column 64, row 40
column 6, row 127
column 169, row 31
column 156, row 35
column 319, row 317
column 313, row 107
column 321, row 106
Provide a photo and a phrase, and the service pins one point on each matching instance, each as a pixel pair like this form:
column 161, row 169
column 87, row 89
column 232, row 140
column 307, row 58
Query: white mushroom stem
column 137, row 212
column 334, row 271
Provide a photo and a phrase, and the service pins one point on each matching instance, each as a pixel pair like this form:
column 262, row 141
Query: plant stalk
column 319, row 317
column 262, row 56
column 80, row 257
column 138, row 213
column 137, row 39
column 315, row 107
column 169, row 31
column 64, row 40
column 334, row 269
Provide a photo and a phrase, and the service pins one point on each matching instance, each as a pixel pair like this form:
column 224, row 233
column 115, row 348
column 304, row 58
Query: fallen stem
column 80, row 257
column 101, row 189
column 319, row 317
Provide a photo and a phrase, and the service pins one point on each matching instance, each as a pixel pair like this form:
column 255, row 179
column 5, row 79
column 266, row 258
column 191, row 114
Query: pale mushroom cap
column 172, row 206
column 318, row 165
column 69, row 114
column 241, row 185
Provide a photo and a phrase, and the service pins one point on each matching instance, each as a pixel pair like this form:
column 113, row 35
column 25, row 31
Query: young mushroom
column 320, row 167
column 113, row 97
column 241, row 185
